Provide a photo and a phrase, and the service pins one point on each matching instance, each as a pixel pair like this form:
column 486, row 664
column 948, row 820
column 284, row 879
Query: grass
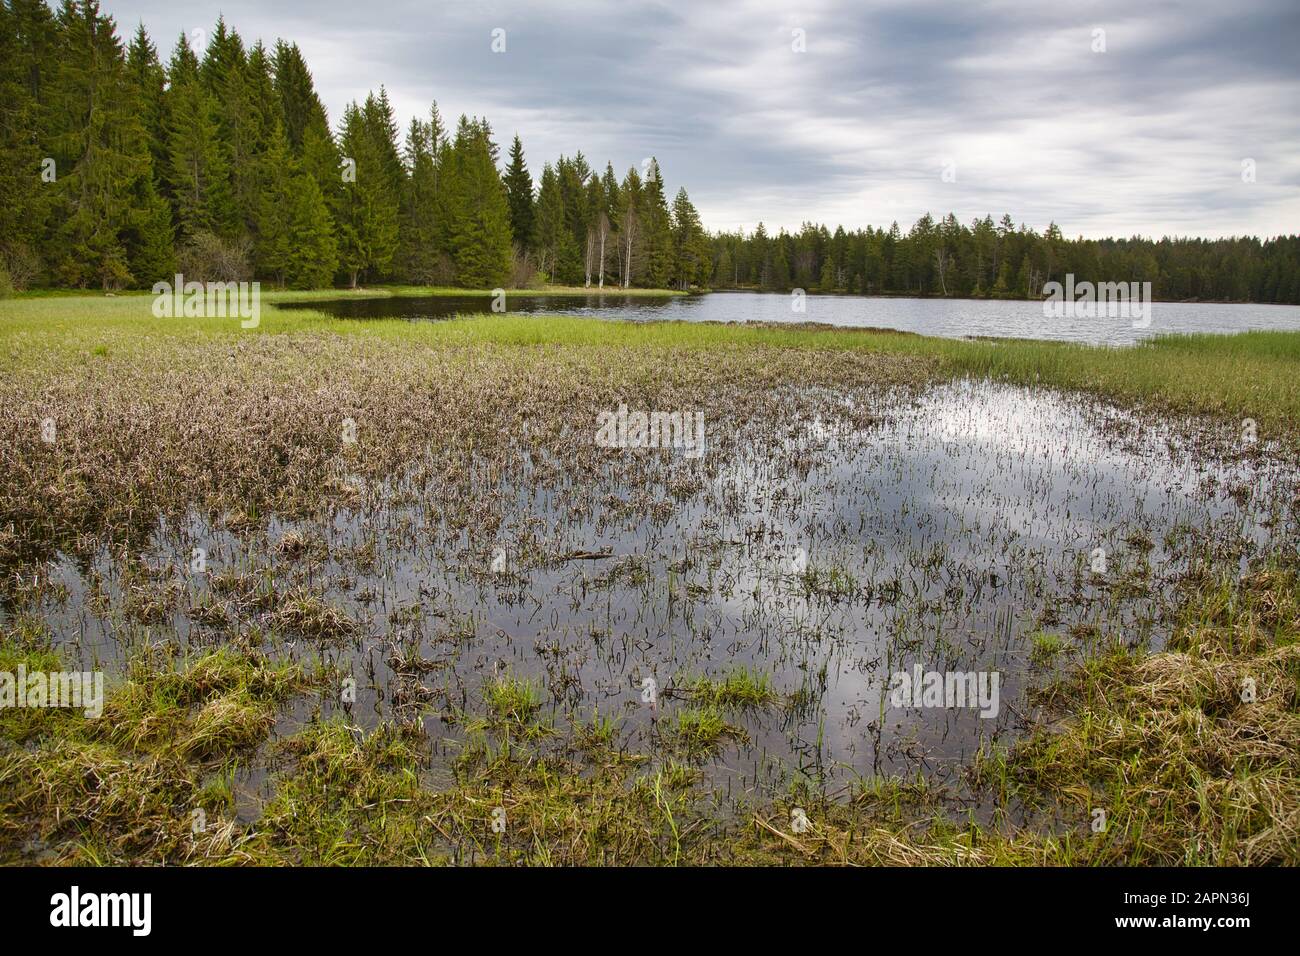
column 124, row 786
column 157, row 417
column 700, row 731
column 1188, row 772
column 1250, row 375
column 513, row 700
column 1046, row 648
column 738, row 689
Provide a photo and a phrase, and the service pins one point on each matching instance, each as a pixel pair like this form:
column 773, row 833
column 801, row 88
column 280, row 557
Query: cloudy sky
column 1111, row 118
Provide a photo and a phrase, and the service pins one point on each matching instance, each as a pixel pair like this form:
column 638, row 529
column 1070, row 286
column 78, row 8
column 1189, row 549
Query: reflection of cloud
column 1147, row 136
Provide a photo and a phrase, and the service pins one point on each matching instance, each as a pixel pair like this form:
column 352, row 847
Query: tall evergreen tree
column 480, row 218
column 198, row 176
column 554, row 241
column 656, row 230
column 146, row 72
column 629, row 218
column 24, row 195
column 367, row 210
column 519, row 197
column 691, row 252
column 420, row 254
column 97, row 135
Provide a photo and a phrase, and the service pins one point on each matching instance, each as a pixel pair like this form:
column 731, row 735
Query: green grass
column 1250, row 375
column 1045, row 648
column 1186, row 770
column 1189, row 770
column 513, row 700
column 738, row 689
column 699, row 731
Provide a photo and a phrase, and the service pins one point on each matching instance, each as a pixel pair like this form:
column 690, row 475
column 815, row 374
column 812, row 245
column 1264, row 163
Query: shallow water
column 950, row 532
column 946, row 318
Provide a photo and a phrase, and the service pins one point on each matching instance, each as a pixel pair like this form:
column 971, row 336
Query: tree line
column 118, row 170
column 1001, row 260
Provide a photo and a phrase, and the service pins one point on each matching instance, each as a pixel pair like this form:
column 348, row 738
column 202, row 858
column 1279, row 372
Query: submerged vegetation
column 1185, row 771
column 456, row 630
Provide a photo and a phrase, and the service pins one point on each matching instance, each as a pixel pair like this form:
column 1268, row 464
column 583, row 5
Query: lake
column 946, row 318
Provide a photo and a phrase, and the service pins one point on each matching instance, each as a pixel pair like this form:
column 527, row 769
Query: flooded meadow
column 272, row 543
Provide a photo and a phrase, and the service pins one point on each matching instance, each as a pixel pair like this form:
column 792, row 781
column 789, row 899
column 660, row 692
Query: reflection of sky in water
column 947, row 318
column 965, row 520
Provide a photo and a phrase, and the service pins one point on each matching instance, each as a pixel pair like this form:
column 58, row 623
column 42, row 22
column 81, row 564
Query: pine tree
column 780, row 275
column 367, row 209
column 611, row 201
column 300, row 106
column 381, row 127
column 554, row 243
column 273, row 245
column 97, row 134
column 519, row 197
column 313, row 251
column 597, row 231
column 244, row 129
column 691, row 253
column 629, row 218
column 24, row 195
column 656, row 230
column 198, row 177
column 146, row 72
column 419, row 253
column 480, row 217
column 826, row 281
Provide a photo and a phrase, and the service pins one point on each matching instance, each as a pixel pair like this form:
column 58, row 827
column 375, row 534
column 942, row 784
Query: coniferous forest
column 121, row 166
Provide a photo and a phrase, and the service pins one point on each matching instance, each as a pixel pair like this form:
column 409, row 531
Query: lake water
column 947, row 318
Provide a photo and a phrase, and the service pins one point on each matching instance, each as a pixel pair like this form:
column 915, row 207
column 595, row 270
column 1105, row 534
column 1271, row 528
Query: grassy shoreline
column 1246, row 375
column 185, row 411
column 361, row 292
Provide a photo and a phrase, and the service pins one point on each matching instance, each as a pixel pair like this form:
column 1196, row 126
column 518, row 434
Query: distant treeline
column 1000, row 260
column 117, row 171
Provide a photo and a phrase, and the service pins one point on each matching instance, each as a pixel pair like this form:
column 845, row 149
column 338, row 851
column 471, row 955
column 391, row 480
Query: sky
column 1108, row 118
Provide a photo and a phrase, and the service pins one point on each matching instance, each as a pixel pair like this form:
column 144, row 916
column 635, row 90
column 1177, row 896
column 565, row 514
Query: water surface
column 949, row 534
column 946, row 318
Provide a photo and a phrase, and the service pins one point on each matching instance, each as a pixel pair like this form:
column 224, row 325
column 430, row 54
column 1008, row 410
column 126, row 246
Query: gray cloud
column 1147, row 137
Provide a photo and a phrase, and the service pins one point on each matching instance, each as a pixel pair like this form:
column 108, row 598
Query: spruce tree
column 300, row 107
column 519, row 197
column 24, row 196
column 313, row 251
column 146, row 72
column 629, row 219
column 97, row 135
column 418, row 250
column 656, row 230
column 691, row 253
column 198, row 177
column 554, row 241
column 367, row 208
column 480, row 218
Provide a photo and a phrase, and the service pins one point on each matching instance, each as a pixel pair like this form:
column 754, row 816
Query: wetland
column 376, row 592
